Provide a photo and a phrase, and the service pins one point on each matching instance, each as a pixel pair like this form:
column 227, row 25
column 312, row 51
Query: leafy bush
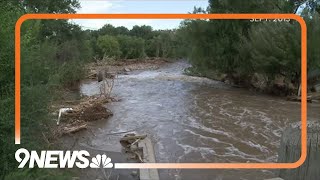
column 276, row 50
column 144, row 32
column 41, row 46
column 71, row 73
column 32, row 174
column 68, row 51
column 242, row 49
column 131, row 47
column 109, row 46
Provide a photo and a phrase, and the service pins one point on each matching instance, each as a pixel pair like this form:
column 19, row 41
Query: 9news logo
column 59, row 159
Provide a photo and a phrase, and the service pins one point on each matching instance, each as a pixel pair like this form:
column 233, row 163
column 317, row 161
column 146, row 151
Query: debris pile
column 90, row 108
column 122, row 66
column 130, row 144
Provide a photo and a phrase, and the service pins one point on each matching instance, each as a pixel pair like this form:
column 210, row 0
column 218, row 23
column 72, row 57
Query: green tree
column 144, row 32
column 39, row 70
column 275, row 50
column 216, row 46
column 47, row 6
column 121, row 30
column 153, row 46
column 109, row 46
column 313, row 42
column 131, row 47
column 9, row 13
column 107, row 29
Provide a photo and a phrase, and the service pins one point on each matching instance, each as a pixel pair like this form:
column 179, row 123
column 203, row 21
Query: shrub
column 109, row 46
column 131, row 47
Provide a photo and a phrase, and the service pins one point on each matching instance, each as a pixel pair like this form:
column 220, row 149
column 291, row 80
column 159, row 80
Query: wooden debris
column 132, row 138
column 298, row 98
column 130, row 143
column 90, row 109
column 69, row 130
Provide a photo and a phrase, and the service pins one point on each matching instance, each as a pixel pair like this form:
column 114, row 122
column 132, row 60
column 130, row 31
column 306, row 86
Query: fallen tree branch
column 139, row 156
column 69, row 130
column 129, row 142
column 128, row 138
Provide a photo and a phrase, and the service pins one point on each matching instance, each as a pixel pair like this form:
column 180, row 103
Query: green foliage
column 9, row 13
column 313, row 42
column 131, row 47
column 167, row 44
column 53, row 53
column 144, row 32
column 71, row 73
column 8, row 147
column 139, row 42
column 47, row 6
column 250, row 6
column 199, row 45
column 109, row 46
column 240, row 48
column 31, row 174
column 153, row 47
column 108, row 29
column 163, row 44
column 68, row 51
column 276, row 49
column 51, row 56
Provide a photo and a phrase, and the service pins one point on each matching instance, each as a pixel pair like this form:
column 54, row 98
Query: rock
column 126, row 69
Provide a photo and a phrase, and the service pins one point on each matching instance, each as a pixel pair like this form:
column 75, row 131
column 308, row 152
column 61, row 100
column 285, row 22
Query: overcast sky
column 136, row 6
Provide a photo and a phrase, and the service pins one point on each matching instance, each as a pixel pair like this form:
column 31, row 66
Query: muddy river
column 192, row 119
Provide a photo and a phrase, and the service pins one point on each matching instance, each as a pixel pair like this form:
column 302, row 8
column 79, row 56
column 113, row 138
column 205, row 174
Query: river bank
column 86, row 111
column 259, row 83
column 194, row 119
column 191, row 119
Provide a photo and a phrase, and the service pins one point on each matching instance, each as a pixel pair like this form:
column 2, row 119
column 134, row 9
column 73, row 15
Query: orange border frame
column 181, row 16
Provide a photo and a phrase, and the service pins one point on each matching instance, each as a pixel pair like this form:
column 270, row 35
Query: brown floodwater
column 193, row 119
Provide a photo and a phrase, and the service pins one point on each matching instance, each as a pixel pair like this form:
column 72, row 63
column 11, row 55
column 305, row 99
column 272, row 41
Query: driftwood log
column 74, row 129
column 290, row 151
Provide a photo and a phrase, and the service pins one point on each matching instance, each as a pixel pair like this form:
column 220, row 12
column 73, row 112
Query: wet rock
column 126, row 69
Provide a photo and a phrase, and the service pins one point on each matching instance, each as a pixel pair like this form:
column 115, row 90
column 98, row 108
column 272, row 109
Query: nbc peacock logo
column 61, row 159
column 102, row 161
